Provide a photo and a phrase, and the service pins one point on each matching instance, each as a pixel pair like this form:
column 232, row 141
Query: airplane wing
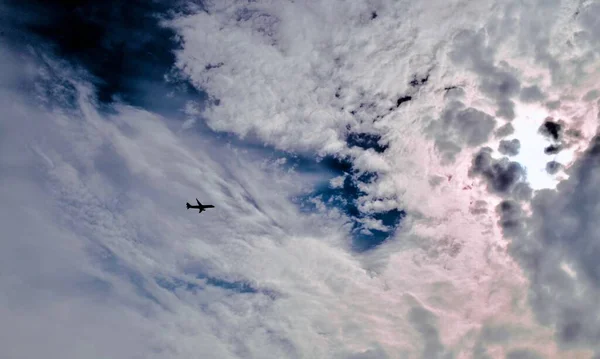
column 199, row 204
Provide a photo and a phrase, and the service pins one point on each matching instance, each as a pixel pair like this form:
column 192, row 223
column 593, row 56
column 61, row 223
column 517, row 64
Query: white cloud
column 355, row 71
column 99, row 240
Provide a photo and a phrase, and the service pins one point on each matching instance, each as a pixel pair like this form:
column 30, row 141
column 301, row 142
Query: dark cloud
column 552, row 149
column 559, row 251
column 531, row 94
column 402, row 100
column 551, row 129
column 511, row 217
column 505, row 130
column 501, row 175
column 509, row 147
column 419, row 81
column 522, row 191
column 553, row 167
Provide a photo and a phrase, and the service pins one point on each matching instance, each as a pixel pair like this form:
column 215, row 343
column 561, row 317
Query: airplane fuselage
column 200, row 207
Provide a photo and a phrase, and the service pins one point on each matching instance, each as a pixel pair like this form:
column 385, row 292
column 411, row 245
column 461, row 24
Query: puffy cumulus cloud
column 507, row 178
column 509, row 147
column 467, row 126
column 505, row 130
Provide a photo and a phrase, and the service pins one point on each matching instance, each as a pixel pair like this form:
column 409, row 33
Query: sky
column 391, row 179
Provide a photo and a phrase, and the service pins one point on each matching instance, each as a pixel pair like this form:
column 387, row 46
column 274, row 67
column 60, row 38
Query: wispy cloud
column 412, row 237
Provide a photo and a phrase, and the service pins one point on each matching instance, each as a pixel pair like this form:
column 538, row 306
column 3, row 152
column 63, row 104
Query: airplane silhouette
column 201, row 207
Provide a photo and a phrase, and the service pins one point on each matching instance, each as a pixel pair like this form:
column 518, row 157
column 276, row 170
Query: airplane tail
column 188, row 205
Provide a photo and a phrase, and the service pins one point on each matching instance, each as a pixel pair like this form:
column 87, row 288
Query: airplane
column 201, row 207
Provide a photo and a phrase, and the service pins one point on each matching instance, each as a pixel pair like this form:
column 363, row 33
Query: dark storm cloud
column 509, row 147
column 501, row 175
column 459, row 126
column 559, row 251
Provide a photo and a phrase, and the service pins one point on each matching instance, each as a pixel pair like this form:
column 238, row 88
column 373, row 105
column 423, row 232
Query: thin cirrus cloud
column 404, row 118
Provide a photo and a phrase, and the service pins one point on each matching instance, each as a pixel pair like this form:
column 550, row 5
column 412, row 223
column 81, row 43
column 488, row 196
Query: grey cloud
column 553, row 167
column 523, row 354
column 448, row 150
column 563, row 231
column 500, row 85
column 511, row 217
column 435, row 180
column 505, row 130
column 553, row 105
column 522, row 191
column 454, row 93
column 425, row 322
column 506, row 109
column 497, row 334
column 478, row 207
column 461, row 126
column 591, row 95
column 471, row 50
column 377, row 353
column 474, row 126
column 509, row 147
column 531, row 94
column 588, row 18
column 501, row 175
